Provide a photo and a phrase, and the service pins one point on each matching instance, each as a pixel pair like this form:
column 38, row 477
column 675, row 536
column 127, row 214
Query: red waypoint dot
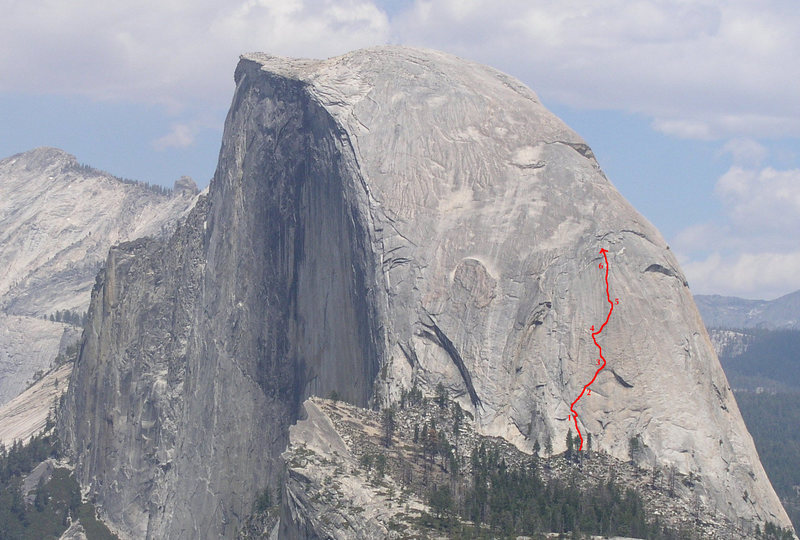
column 600, row 361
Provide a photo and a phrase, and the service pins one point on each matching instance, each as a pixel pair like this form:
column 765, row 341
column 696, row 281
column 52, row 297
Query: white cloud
column 684, row 129
column 180, row 136
column 170, row 52
column 761, row 202
column 701, row 69
column 755, row 252
column 745, row 151
column 752, row 274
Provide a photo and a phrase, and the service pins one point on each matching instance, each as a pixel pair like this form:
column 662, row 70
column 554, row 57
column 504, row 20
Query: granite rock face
column 327, row 496
column 29, row 345
column 200, row 349
column 26, row 414
column 389, row 217
column 57, row 220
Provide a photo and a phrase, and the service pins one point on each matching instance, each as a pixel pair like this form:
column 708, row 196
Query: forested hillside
column 764, row 371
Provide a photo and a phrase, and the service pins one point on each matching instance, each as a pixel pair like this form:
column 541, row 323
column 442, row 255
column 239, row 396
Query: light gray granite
column 382, row 218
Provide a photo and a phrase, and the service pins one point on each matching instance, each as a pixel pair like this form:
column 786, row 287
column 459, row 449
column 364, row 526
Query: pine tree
column 388, row 422
column 431, row 443
column 633, row 448
column 441, row 396
column 441, row 501
column 570, row 443
column 40, row 500
column 458, row 417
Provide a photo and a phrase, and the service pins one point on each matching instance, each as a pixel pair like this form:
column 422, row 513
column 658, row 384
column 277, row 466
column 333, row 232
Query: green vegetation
column 441, row 396
column 412, row 398
column 20, row 459
column 773, row 532
column 766, row 379
column 263, row 501
column 771, row 361
column 484, row 497
column 515, row 501
column 389, row 425
column 772, row 420
column 500, row 501
column 56, row 500
column 70, row 355
column 89, row 170
column 69, row 317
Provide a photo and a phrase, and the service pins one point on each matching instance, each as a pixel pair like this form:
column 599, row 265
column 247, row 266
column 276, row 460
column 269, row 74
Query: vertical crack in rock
column 410, row 354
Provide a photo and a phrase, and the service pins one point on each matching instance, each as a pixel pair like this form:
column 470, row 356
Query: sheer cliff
column 57, row 220
column 390, row 217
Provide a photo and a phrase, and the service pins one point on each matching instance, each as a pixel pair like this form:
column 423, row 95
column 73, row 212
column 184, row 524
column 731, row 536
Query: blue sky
column 691, row 106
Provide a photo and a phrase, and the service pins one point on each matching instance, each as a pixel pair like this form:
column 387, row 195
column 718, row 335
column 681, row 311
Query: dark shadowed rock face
column 390, row 217
column 201, row 348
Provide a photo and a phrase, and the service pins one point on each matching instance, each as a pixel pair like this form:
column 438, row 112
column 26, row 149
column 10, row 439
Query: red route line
column 599, row 348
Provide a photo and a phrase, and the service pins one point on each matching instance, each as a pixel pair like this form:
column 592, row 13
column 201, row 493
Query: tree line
column 56, row 499
column 494, row 498
column 155, row 188
column 69, row 317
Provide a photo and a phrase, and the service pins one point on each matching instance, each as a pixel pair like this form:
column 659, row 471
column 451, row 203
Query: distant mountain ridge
column 58, row 219
column 732, row 312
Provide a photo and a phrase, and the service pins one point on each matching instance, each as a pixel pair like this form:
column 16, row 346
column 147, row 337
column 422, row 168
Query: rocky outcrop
column 389, row 217
column 329, row 495
column 29, row 346
column 74, row 532
column 344, row 482
column 26, row 414
column 200, row 349
column 730, row 343
column 57, row 220
column 185, row 186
